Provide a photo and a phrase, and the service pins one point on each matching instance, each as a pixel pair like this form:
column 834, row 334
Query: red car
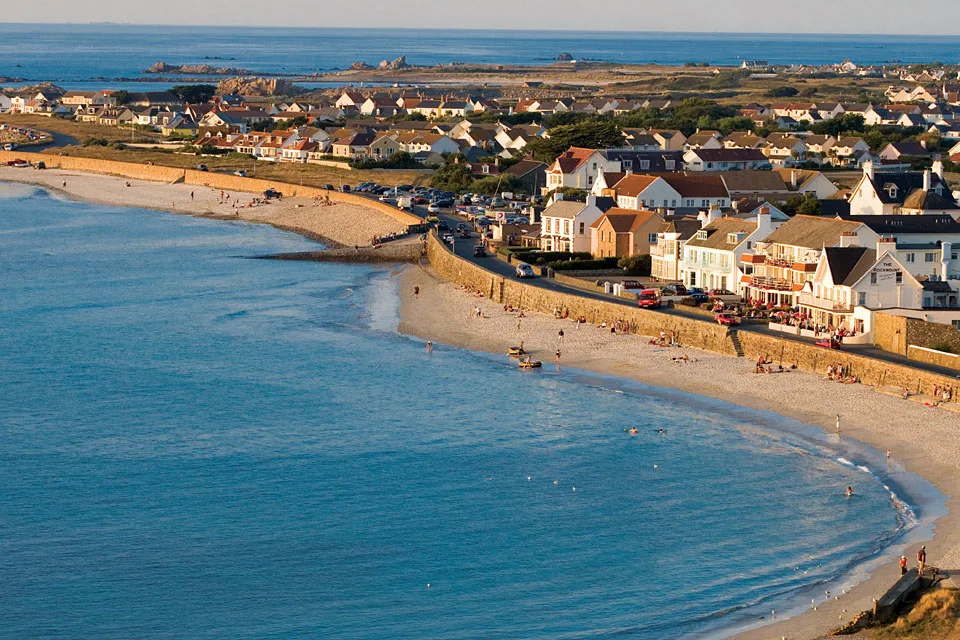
column 649, row 299
column 726, row 319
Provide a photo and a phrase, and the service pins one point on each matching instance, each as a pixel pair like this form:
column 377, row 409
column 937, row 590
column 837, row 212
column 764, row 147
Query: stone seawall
column 170, row 175
column 702, row 334
column 405, row 252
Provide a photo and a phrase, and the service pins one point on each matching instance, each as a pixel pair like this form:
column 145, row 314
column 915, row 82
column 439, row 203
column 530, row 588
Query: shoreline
column 711, row 375
column 442, row 313
column 336, row 225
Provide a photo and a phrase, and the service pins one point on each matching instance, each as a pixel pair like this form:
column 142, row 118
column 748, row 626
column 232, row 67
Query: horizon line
column 109, row 23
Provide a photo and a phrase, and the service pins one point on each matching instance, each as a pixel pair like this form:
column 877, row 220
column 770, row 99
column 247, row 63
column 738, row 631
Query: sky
column 755, row 16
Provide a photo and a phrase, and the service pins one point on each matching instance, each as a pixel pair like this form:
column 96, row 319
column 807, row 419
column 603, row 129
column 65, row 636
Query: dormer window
column 702, row 234
column 892, row 190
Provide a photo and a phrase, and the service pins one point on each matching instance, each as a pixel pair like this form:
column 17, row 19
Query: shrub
column 96, row 142
column 946, row 348
column 636, row 265
column 584, row 265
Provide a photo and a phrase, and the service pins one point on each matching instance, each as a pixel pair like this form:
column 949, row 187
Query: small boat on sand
column 516, row 351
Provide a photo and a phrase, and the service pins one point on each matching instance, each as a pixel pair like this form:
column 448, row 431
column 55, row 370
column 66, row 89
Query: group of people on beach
column 840, row 373
column 666, row 339
column 921, row 562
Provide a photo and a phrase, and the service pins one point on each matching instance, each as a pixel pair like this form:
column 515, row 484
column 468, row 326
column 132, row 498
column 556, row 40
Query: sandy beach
column 343, row 224
column 922, row 440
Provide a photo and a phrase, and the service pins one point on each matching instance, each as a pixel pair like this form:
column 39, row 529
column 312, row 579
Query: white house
column 671, row 191
column 565, row 224
column 711, row 258
column 725, row 159
column 909, row 192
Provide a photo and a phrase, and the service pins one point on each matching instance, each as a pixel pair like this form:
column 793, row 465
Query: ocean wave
column 906, row 517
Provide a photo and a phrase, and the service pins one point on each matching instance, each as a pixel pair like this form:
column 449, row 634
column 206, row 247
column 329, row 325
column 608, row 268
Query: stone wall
column 702, row 334
column 170, row 175
column 934, row 357
column 932, row 335
column 890, row 332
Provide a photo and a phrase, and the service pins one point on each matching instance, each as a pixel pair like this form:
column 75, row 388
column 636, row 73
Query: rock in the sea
column 360, row 66
column 261, row 87
column 564, row 57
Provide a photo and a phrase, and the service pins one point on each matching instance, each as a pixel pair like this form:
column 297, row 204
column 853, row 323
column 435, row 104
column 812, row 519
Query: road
column 464, row 249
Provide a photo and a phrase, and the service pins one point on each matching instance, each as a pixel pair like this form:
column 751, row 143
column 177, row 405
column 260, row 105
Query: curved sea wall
column 157, row 173
column 701, row 334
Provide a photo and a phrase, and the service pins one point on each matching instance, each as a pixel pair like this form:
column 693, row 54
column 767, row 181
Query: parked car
column 432, row 208
column 524, row 270
column 726, row 319
column 269, row 194
column 698, row 295
column 723, row 294
column 448, row 238
column 443, row 226
column 201, row 167
column 465, row 233
column 384, row 198
column 345, row 188
column 480, row 251
column 649, row 299
column 674, row 290
column 328, row 187
column 240, row 173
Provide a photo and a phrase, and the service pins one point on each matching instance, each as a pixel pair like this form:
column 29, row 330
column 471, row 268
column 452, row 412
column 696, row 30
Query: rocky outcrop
column 47, row 88
column 196, row 69
column 360, row 66
column 399, row 63
column 564, row 57
column 260, row 87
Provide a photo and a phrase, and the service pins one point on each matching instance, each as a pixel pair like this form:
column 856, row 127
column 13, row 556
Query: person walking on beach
column 191, row 195
column 560, row 336
column 416, row 292
column 558, row 357
column 903, row 565
column 921, row 560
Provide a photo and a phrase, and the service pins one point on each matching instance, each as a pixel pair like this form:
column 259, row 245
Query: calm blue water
column 197, row 445
column 72, row 55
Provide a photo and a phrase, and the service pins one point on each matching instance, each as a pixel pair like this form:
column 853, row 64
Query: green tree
column 453, row 176
column 495, row 184
column 782, row 92
column 121, row 96
column 194, row 93
column 806, row 205
column 592, row 134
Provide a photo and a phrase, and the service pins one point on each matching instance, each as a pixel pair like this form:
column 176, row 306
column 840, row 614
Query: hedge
column 584, row 265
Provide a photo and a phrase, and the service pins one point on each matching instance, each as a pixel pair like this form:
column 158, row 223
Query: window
column 589, row 180
column 665, row 203
column 644, row 165
column 956, row 324
column 673, row 203
column 861, row 298
column 566, row 227
column 873, row 277
column 704, row 203
column 953, row 255
column 594, row 166
column 652, row 238
column 899, row 277
column 581, row 228
column 911, row 257
column 929, row 257
column 627, row 165
column 669, row 165
column 749, row 245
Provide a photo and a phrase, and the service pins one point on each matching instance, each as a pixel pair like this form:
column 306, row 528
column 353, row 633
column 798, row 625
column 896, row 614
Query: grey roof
column 565, row 209
column 849, row 264
column 895, row 224
column 718, row 234
column 812, row 232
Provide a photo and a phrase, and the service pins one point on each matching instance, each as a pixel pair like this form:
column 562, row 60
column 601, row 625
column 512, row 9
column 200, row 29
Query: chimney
column 764, row 218
column 848, row 239
column 927, row 181
column 938, row 168
column 946, row 251
column 557, row 196
column 591, row 200
column 923, row 143
column 868, row 169
column 793, row 179
column 885, row 245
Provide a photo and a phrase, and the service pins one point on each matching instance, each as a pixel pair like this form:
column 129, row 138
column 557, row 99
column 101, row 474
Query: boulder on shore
column 259, row 87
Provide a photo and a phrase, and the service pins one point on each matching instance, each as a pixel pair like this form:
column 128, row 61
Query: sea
column 95, row 56
column 198, row 444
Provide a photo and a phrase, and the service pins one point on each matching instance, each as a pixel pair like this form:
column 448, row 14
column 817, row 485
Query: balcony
column 753, row 258
column 810, row 300
column 772, row 284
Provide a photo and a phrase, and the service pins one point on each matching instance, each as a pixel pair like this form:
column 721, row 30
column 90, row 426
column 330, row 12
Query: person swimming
column 661, row 431
column 849, row 491
column 634, row 431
